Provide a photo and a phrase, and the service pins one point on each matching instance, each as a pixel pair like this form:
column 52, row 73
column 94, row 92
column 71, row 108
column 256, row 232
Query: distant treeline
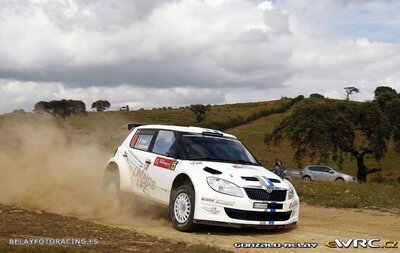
column 233, row 122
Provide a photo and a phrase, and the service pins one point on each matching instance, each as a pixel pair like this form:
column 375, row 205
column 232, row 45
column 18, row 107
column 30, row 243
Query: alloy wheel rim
column 182, row 208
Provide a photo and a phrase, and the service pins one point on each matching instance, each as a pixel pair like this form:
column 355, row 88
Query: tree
column 389, row 102
column 101, row 105
column 383, row 90
column 62, row 108
column 19, row 111
column 41, row 106
column 333, row 130
column 317, row 96
column 351, row 90
column 384, row 94
column 200, row 111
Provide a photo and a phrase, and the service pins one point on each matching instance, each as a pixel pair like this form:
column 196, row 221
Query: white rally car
column 204, row 176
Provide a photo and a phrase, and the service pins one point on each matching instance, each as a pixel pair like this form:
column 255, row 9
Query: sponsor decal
column 196, row 162
column 132, row 158
column 139, row 174
column 173, row 165
column 211, row 209
column 260, row 205
column 165, row 163
column 362, row 243
column 225, row 202
column 207, row 199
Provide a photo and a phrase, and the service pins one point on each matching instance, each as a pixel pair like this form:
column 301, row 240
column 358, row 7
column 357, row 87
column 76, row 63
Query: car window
column 166, row 144
column 325, row 169
column 314, row 168
column 142, row 139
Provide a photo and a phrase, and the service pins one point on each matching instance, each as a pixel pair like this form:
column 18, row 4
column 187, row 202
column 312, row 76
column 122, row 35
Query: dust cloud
column 44, row 165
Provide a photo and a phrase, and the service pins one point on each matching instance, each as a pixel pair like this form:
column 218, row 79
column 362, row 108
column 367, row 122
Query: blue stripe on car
column 269, row 181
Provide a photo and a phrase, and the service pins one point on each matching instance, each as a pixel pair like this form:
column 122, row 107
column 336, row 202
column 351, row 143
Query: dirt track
column 316, row 224
column 153, row 231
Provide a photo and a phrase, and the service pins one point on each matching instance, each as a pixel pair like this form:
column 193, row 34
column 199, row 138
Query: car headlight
column 223, row 186
column 290, row 191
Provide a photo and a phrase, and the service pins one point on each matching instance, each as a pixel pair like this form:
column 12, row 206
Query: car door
column 315, row 172
column 165, row 159
column 330, row 174
column 138, row 159
column 318, row 173
column 325, row 174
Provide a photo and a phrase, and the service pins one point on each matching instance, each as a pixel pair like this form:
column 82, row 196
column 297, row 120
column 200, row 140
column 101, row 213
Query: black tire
column 181, row 218
column 306, row 178
column 339, row 180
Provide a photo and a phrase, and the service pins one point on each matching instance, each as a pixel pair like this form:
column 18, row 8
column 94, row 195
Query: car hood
column 239, row 174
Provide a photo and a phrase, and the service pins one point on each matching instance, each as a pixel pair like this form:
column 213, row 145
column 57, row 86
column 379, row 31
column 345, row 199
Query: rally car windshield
column 218, row 149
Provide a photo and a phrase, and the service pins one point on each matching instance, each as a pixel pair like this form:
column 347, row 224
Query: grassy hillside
column 109, row 129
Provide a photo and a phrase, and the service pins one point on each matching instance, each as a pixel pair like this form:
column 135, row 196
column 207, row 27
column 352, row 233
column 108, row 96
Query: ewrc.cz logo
column 362, row 243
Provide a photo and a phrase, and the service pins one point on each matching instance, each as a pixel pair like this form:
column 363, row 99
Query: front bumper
column 224, row 210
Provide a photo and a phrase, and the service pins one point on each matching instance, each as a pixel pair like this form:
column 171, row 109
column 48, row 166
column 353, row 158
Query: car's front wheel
column 307, row 178
column 339, row 180
column 181, row 208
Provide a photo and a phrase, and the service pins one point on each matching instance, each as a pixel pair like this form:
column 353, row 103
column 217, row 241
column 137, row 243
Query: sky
column 154, row 53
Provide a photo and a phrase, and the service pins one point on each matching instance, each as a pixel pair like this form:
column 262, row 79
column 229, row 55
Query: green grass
column 349, row 195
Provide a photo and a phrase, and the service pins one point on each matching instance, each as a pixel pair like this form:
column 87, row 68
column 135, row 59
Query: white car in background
column 204, row 176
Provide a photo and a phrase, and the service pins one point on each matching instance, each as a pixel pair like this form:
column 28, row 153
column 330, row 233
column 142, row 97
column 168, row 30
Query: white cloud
column 199, row 50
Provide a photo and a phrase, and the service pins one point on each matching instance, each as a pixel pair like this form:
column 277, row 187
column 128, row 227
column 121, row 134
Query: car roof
column 189, row 129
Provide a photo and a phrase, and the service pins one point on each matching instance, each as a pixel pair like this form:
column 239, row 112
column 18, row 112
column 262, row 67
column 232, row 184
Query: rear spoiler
column 133, row 125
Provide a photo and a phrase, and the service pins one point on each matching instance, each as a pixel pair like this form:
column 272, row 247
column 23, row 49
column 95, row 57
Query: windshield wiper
column 207, row 158
column 245, row 161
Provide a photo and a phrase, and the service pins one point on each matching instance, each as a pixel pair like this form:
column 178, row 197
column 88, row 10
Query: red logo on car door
column 165, row 163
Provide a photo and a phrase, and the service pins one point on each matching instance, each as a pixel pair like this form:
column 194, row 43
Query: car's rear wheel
column 111, row 186
column 339, row 180
column 307, row 178
column 181, row 208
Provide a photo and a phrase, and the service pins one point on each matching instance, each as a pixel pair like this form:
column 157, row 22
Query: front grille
column 260, row 194
column 257, row 216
